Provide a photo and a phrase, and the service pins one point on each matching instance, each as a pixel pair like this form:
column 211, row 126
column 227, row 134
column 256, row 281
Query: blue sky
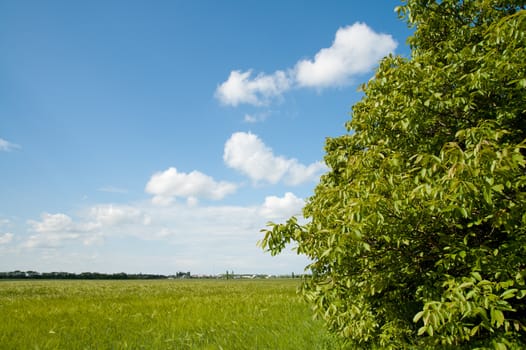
column 158, row 137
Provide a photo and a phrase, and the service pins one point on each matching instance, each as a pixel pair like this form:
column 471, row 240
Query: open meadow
column 157, row 314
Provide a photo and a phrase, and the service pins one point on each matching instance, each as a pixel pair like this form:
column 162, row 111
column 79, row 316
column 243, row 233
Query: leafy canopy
column 417, row 234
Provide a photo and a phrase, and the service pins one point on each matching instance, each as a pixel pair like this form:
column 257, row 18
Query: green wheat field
column 158, row 314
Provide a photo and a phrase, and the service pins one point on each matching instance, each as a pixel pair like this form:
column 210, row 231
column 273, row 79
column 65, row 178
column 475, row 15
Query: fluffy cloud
column 241, row 87
column 111, row 215
column 201, row 239
column 248, row 154
column 52, row 223
column 356, row 49
column 52, row 231
column 6, row 238
column 287, row 206
column 168, row 184
column 7, row 146
column 95, row 223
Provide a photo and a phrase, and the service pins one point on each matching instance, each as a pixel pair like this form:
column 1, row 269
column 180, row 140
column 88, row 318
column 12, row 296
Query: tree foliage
column 417, row 234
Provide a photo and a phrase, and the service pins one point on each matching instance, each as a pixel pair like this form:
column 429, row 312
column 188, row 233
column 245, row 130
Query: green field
column 160, row 314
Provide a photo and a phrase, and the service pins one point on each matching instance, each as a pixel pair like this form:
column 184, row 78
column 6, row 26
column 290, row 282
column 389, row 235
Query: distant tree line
column 87, row 275
column 17, row 274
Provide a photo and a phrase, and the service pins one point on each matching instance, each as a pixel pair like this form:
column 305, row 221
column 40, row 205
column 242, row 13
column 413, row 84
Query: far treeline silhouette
column 17, row 274
column 86, row 275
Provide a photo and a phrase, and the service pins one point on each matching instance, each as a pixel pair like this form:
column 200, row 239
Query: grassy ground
column 161, row 314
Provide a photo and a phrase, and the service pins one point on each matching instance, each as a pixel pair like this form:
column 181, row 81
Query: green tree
column 417, row 233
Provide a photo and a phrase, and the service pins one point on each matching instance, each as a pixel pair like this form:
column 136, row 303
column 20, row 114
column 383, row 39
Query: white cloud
column 241, row 87
column 110, row 215
column 169, row 184
column 356, row 50
column 248, row 154
column 52, row 223
column 52, row 231
column 284, row 207
column 6, row 238
column 94, row 224
column 200, row 239
column 7, row 146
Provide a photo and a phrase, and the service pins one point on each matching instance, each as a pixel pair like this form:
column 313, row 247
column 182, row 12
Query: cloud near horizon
column 53, row 230
column 225, row 238
column 248, row 154
column 356, row 49
column 147, row 221
column 6, row 238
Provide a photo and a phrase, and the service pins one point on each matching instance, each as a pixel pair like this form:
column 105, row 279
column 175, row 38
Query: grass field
column 159, row 314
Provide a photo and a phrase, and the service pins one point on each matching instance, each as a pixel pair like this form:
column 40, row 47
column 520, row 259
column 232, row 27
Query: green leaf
column 498, row 188
column 474, row 330
column 500, row 346
column 418, row 316
column 476, row 275
column 510, row 293
column 497, row 317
